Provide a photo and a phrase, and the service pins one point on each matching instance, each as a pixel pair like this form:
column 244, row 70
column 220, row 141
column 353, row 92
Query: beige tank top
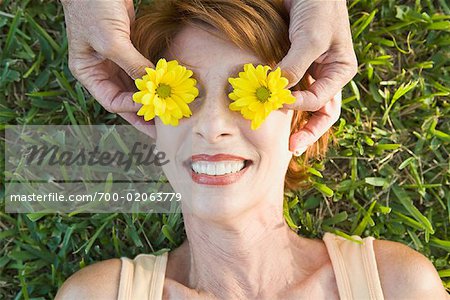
column 353, row 263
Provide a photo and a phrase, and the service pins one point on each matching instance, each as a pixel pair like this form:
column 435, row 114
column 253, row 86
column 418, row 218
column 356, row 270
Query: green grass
column 388, row 176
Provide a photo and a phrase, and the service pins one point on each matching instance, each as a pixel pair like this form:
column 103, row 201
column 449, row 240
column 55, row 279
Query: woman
column 238, row 245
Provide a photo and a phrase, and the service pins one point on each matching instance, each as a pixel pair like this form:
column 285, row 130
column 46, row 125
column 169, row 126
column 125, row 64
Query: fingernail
column 300, row 151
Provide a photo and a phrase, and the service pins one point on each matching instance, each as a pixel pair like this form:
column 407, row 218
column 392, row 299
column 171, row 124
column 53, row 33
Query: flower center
column 163, row 91
column 262, row 93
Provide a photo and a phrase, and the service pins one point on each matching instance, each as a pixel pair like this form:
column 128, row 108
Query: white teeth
column 217, row 168
column 220, row 169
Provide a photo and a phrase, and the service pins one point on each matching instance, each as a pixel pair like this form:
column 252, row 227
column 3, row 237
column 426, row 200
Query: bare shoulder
column 406, row 273
column 97, row 281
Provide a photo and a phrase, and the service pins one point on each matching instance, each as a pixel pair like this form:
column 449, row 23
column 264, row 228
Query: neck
column 245, row 258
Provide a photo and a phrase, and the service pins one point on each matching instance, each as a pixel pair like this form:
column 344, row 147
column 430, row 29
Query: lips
column 216, row 157
column 224, row 179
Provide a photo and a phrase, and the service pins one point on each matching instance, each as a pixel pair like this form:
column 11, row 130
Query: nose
column 215, row 122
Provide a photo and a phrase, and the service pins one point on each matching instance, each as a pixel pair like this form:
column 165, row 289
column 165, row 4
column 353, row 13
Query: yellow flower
column 257, row 93
column 165, row 92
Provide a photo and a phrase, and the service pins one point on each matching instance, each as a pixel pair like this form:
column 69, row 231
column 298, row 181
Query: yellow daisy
column 165, row 92
column 257, row 93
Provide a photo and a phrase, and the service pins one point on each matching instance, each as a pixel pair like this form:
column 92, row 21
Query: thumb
column 131, row 60
column 296, row 62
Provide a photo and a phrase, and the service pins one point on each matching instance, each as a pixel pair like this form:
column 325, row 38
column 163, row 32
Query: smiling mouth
column 219, row 168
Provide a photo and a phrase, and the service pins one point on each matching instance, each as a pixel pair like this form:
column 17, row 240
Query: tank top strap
column 354, row 266
column 143, row 277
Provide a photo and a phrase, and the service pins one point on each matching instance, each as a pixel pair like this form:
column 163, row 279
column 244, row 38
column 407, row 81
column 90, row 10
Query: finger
column 136, row 120
column 319, row 123
column 112, row 97
column 146, row 127
column 287, row 4
column 130, row 60
column 130, row 9
column 297, row 61
column 332, row 78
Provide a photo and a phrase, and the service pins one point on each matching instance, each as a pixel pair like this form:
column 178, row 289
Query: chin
column 216, row 207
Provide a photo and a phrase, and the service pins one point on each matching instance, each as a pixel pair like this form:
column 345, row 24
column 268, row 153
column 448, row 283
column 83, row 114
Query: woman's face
column 218, row 139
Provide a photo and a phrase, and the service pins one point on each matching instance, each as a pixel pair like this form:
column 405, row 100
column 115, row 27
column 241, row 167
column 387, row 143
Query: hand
column 321, row 43
column 101, row 53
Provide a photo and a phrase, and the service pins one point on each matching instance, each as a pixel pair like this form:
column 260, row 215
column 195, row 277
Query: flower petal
column 160, row 106
column 174, row 121
column 162, row 64
column 151, row 74
column 244, row 101
column 165, row 118
column 137, row 97
column 170, row 104
column 147, row 98
column 140, row 84
column 142, row 110
column 149, row 114
column 172, row 65
column 168, row 78
column 182, row 105
column 255, row 106
column 151, row 86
